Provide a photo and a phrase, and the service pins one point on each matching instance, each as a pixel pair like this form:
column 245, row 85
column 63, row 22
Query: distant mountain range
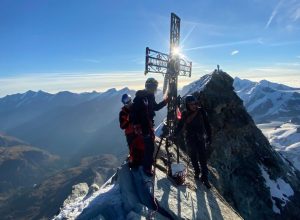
column 73, row 126
column 267, row 101
column 66, row 123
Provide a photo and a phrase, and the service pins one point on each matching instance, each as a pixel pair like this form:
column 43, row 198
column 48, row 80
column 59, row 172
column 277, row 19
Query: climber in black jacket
column 197, row 134
column 142, row 115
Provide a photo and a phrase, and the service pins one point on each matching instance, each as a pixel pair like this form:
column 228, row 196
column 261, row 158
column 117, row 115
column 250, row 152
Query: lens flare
column 176, row 51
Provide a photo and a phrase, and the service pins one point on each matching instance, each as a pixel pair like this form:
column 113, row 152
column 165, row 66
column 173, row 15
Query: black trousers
column 129, row 139
column 148, row 155
column 197, row 153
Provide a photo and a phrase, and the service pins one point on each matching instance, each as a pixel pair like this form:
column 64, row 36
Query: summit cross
column 171, row 66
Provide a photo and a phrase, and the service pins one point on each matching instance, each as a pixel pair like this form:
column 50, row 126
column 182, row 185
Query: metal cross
column 171, row 66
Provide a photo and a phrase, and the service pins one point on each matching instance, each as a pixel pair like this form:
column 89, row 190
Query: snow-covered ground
column 107, row 196
column 195, row 86
column 285, row 137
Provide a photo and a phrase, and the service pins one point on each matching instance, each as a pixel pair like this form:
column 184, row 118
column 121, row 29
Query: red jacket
column 124, row 121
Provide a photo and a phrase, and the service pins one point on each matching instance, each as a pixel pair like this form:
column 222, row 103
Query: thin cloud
column 274, row 13
column 75, row 82
column 210, row 28
column 251, row 41
column 189, row 33
column 287, row 14
column 234, row 52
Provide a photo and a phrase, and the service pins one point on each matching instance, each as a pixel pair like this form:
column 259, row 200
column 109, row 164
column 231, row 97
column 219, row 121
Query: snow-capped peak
column 196, row 86
column 265, row 100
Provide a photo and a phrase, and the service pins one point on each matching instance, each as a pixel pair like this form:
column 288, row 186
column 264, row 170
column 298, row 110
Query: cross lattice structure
column 171, row 66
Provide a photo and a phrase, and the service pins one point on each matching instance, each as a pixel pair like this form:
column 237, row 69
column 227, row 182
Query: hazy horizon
column 73, row 83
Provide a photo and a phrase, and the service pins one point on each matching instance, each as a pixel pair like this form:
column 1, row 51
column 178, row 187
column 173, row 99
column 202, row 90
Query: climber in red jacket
column 124, row 119
column 134, row 141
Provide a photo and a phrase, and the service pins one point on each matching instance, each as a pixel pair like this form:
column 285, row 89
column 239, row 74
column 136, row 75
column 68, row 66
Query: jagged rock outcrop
column 251, row 176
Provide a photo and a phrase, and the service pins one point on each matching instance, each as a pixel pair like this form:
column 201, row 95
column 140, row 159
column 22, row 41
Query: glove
column 137, row 130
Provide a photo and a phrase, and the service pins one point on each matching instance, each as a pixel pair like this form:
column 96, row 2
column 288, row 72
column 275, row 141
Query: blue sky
column 94, row 45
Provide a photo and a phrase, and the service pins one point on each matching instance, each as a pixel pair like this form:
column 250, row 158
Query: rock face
column 251, row 176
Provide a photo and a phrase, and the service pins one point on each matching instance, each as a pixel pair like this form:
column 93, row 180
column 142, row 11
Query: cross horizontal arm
column 157, row 62
column 185, row 68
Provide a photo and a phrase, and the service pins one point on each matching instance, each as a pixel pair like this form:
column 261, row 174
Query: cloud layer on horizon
column 78, row 82
column 85, row 82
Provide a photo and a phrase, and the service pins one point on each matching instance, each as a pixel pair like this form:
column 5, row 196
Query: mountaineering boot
column 205, row 182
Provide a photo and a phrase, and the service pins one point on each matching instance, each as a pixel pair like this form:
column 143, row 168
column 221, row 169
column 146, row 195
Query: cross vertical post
column 172, row 76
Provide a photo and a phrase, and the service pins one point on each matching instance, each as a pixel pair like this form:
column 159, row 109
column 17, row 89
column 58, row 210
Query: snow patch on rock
column 278, row 189
column 108, row 192
column 196, row 86
column 285, row 138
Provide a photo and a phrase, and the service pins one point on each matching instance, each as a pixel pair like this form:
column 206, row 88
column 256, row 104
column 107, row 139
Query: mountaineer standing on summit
column 142, row 117
column 198, row 133
column 124, row 119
